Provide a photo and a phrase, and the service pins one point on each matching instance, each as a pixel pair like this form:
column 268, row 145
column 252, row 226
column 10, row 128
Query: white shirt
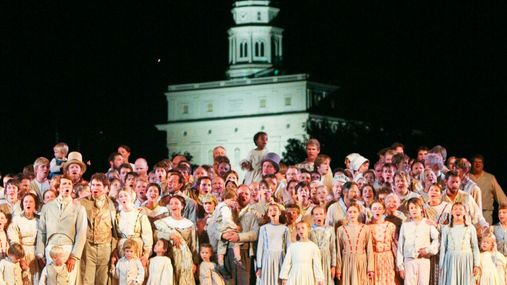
column 413, row 237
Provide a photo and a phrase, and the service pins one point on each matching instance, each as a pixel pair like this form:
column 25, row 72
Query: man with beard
column 175, row 183
column 74, row 169
column 62, row 223
column 40, row 183
column 453, row 194
column 247, row 237
column 312, row 151
column 101, row 236
column 337, row 212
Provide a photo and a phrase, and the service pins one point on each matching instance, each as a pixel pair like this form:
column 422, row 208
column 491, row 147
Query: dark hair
column 35, row 198
column 293, row 206
column 464, row 216
column 181, row 199
column 318, row 207
column 126, row 165
column 450, row 173
column 301, row 185
column 257, row 135
column 126, row 147
column 154, row 185
column 100, row 177
column 181, row 179
column 477, row 156
column 113, row 155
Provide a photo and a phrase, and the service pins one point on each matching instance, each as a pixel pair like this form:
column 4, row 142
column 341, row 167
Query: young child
column 459, row 250
column 252, row 164
column 129, row 269
column 13, row 271
column 383, row 235
column 490, row 275
column 324, row 237
column 207, row 269
column 271, row 247
column 418, row 240
column 302, row 262
column 56, row 272
column 161, row 268
column 500, row 230
column 55, row 166
column 354, row 258
column 4, row 242
column 223, row 220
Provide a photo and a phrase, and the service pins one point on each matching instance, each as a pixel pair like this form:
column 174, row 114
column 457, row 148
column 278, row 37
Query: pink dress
column 383, row 237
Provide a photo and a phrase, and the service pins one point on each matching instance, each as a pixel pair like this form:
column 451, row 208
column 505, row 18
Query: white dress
column 160, row 271
column 24, row 231
column 129, row 271
column 208, row 274
column 302, row 264
column 270, row 252
column 489, row 274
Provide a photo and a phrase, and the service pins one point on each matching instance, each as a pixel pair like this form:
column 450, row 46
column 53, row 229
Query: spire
column 255, row 46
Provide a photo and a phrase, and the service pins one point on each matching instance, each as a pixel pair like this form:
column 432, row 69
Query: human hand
column 259, row 272
column 402, row 274
column 70, row 264
column 284, row 281
column 23, row 264
column 176, row 240
column 194, row 268
column 422, row 252
column 144, row 261
column 333, row 272
column 477, row 271
column 41, row 261
column 338, row 275
column 371, row 274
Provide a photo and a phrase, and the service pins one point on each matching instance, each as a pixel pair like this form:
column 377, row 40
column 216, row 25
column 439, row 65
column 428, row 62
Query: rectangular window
column 288, row 101
column 210, row 107
column 262, row 103
column 185, row 109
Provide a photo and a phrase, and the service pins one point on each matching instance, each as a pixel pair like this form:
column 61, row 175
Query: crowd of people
column 398, row 220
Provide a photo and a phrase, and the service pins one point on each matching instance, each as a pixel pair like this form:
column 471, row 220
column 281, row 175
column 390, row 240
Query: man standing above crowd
column 312, row 151
column 40, row 183
column 74, row 168
column 101, row 236
column 491, row 190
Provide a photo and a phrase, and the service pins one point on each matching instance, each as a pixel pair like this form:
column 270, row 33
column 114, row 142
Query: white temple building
column 253, row 97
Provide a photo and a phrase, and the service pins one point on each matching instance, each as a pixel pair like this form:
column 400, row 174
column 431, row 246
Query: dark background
column 88, row 73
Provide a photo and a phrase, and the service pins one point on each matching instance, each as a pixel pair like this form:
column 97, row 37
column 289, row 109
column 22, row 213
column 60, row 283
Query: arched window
column 237, row 154
column 245, row 49
column 261, row 49
column 259, row 16
column 241, row 50
column 257, row 49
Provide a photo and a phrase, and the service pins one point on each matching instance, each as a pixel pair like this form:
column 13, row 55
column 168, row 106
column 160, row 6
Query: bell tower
column 255, row 47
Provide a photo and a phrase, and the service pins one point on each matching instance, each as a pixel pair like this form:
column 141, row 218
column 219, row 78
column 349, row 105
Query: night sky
column 89, row 74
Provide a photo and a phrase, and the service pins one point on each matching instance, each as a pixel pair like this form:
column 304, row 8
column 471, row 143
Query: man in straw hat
column 74, row 168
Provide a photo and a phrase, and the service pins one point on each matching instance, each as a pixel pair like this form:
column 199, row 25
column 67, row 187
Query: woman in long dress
column 324, row 237
column 383, row 235
column 151, row 207
column 271, row 247
column 354, row 258
column 133, row 224
column 459, row 250
column 302, row 264
column 23, row 230
column 181, row 232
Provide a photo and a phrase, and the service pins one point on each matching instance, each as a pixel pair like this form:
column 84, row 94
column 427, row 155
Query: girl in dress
column 271, row 247
column 490, row 275
column 161, row 268
column 383, row 235
column 181, row 232
column 324, row 237
column 23, row 230
column 208, row 274
column 302, row 264
column 252, row 164
column 4, row 242
column 354, row 258
column 459, row 250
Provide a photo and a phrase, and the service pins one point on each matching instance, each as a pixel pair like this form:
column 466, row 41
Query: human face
column 11, row 192
column 458, row 212
column 337, row 189
column 24, row 186
column 129, row 253
column 232, row 177
column 75, row 171
column 125, row 199
column 451, row 163
column 486, row 244
column 364, row 167
column 3, row 221
column 152, row 193
column 65, row 187
column 321, row 194
column 218, row 152
column 291, row 215
column 223, row 168
column 417, row 169
column 98, row 188
column 303, row 194
column 42, row 171
column 114, row 188
column 262, row 141
column 353, row 213
column 59, row 153
column 205, row 187
column 141, row 190
column 49, row 196
column 117, row 161
column 378, row 171
column 414, row 211
column 401, row 184
column 254, row 191
column 175, row 206
column 265, row 191
column 368, row 193
column 429, row 176
column 218, row 185
column 354, row 193
column 323, row 168
column 502, row 215
column 313, row 189
column 209, row 207
column 453, row 184
column 319, row 216
column 312, row 151
column 292, row 174
column 434, row 194
column 315, row 176
column 205, row 253
column 302, row 231
column 123, row 173
column 243, row 196
column 161, row 174
column 274, row 213
column 159, row 248
column 421, row 155
column 58, row 259
column 392, row 204
column 173, row 183
column 124, row 153
column 200, row 172
column 387, row 174
column 478, row 165
column 305, row 177
column 268, row 168
column 141, row 167
column 29, row 204
column 388, row 158
column 377, row 210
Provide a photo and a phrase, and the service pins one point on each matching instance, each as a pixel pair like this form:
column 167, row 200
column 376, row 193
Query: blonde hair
column 40, row 161
column 56, row 251
column 61, row 147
